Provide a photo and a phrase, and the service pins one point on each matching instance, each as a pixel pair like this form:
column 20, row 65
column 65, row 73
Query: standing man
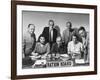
column 68, row 32
column 29, row 41
column 85, row 41
column 50, row 33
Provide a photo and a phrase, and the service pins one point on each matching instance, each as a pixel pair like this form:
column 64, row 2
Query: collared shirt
column 42, row 49
column 51, row 34
column 74, row 48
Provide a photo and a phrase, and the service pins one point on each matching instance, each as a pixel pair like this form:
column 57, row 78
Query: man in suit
column 50, row 33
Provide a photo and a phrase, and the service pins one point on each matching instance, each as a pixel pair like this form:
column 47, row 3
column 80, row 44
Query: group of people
column 74, row 42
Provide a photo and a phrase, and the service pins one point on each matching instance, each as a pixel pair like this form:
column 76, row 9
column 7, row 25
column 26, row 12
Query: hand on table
column 34, row 54
column 44, row 56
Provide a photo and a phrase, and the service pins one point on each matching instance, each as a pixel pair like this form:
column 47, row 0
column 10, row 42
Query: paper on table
column 40, row 62
column 79, row 61
column 35, row 56
column 64, row 55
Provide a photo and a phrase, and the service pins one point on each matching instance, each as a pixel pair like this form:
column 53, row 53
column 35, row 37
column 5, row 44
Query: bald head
column 58, row 40
column 31, row 28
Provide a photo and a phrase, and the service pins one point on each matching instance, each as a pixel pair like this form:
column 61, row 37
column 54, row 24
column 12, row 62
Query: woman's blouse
column 42, row 48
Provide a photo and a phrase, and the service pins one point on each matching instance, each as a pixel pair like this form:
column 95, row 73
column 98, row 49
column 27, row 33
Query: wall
column 5, row 40
column 40, row 20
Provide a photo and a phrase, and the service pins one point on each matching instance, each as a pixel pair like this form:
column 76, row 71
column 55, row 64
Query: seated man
column 58, row 47
column 75, row 48
column 69, row 32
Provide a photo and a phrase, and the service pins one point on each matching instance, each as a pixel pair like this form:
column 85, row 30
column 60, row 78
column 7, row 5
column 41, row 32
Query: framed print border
column 14, row 38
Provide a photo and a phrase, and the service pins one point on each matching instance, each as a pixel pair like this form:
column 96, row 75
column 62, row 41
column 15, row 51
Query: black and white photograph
column 53, row 39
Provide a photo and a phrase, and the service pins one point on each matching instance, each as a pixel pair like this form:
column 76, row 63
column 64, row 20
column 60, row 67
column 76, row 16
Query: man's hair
column 51, row 21
column 81, row 28
column 69, row 23
column 30, row 25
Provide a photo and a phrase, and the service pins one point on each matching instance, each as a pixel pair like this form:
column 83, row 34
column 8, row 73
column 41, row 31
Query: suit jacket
column 61, row 49
column 45, row 33
column 29, row 42
column 67, row 36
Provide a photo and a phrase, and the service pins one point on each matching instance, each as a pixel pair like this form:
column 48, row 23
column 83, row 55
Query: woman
column 41, row 49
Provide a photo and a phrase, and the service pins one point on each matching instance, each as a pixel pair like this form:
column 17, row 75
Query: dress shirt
column 74, row 48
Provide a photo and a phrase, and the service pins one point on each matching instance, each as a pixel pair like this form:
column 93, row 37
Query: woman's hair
column 40, row 37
